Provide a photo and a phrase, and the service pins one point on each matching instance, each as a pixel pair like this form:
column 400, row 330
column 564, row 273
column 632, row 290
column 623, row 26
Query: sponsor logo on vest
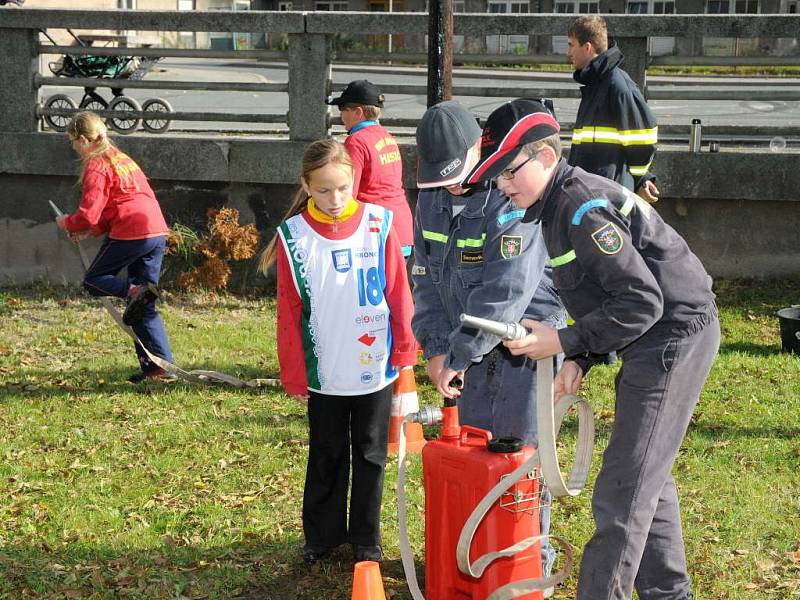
column 367, row 339
column 366, row 377
column 370, row 319
column 365, row 358
column 342, row 260
column 375, row 223
column 365, row 253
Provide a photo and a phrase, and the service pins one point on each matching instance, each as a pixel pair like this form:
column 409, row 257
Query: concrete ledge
column 154, row 20
column 732, row 174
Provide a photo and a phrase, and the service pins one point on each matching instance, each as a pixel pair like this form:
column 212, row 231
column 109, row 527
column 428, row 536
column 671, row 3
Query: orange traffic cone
column 367, row 582
column 404, row 401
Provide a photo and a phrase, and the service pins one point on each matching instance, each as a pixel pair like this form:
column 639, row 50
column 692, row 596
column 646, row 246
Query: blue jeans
column 499, row 395
column 142, row 259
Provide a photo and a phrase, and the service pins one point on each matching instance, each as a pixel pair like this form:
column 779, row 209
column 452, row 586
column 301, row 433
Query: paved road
column 762, row 113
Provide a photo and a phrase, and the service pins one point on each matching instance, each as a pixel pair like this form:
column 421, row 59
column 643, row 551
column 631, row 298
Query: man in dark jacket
column 615, row 132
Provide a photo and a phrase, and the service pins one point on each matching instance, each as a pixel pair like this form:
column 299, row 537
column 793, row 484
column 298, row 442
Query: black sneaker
column 156, row 374
column 314, row 554
column 362, row 553
column 138, row 299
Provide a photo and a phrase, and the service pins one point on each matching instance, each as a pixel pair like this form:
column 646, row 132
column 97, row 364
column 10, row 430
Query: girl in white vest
column 344, row 331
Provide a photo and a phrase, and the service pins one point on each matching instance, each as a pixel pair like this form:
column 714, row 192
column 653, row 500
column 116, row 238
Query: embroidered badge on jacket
column 608, row 239
column 510, row 245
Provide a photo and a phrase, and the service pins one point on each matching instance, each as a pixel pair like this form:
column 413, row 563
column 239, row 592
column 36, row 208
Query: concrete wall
column 733, row 209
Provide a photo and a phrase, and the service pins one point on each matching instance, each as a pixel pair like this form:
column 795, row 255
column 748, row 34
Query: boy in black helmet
column 631, row 283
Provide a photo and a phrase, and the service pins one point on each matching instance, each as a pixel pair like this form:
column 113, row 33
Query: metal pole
column 440, row 51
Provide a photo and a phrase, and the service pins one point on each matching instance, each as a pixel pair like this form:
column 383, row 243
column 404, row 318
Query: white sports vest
column 345, row 326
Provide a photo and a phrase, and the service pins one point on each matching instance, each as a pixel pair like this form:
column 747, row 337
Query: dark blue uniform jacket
column 620, row 270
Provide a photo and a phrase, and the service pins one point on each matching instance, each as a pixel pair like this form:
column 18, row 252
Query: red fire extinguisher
column 458, row 471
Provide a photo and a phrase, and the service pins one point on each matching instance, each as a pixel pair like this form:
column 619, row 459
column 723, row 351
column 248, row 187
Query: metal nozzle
column 427, row 415
column 505, row 331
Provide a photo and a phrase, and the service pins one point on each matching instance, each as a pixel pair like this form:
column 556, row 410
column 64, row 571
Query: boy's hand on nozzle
column 450, row 383
column 434, row 367
column 61, row 222
column 568, row 380
column 542, row 341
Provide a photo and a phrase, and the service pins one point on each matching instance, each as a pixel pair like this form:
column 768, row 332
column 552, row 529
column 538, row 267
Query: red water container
column 458, row 471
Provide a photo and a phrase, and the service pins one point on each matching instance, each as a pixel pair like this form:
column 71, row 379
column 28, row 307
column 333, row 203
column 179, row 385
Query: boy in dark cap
column 631, row 283
column 377, row 167
column 473, row 254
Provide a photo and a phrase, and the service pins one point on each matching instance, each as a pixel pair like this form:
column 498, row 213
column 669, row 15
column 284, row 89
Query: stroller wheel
column 157, row 124
column 93, row 105
column 124, row 123
column 59, row 122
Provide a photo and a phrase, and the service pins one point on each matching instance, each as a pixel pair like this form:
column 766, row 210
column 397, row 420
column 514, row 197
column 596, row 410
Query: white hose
column 406, row 554
column 549, row 419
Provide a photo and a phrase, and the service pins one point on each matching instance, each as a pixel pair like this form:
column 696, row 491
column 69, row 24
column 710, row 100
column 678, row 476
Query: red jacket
column 398, row 296
column 127, row 210
column 378, row 175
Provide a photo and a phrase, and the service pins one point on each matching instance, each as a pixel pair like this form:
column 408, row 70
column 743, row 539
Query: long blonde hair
column 317, row 155
column 93, row 128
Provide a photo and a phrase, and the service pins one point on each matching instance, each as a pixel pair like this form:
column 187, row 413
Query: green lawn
column 108, row 490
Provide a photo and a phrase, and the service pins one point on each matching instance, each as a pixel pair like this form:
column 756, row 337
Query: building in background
column 491, row 44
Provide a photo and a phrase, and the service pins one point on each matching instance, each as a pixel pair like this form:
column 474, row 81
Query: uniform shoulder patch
column 608, row 239
column 510, row 246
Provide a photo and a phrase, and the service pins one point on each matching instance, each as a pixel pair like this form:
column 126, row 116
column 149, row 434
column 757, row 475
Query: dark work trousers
column 142, row 258
column 638, row 539
column 336, row 424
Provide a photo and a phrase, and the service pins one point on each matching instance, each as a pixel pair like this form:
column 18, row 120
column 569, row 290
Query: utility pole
column 440, row 51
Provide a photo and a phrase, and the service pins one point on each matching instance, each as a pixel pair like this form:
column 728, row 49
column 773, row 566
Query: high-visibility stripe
column 434, row 236
column 612, row 135
column 563, row 259
column 628, row 206
column 586, row 207
column 637, row 170
column 471, row 242
column 514, row 214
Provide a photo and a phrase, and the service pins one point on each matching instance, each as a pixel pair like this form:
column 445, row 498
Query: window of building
column 331, row 5
column 509, row 7
column 577, row 7
column 126, row 4
column 284, row 6
column 739, row 7
column 651, row 7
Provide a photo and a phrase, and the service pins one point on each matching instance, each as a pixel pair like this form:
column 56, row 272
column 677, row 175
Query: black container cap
column 505, row 445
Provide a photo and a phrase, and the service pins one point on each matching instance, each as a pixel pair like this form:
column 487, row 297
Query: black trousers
column 338, row 424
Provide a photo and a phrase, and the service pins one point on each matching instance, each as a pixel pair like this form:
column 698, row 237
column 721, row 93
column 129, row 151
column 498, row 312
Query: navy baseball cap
column 446, row 137
column 361, row 92
column 507, row 130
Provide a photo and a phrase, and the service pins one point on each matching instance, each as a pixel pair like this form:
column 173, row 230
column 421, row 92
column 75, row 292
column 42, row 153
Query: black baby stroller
column 106, row 67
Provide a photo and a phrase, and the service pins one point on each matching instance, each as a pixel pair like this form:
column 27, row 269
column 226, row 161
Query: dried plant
column 227, row 240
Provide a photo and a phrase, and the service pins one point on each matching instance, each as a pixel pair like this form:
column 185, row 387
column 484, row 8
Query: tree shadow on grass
column 253, row 569
column 39, row 383
column 749, row 348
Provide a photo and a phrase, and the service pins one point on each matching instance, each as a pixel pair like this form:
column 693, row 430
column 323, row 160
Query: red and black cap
column 507, row 130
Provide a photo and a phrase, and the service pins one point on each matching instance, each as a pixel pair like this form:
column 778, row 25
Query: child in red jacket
column 377, row 166
column 117, row 200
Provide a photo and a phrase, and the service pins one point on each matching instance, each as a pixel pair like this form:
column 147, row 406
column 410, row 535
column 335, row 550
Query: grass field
column 109, row 490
